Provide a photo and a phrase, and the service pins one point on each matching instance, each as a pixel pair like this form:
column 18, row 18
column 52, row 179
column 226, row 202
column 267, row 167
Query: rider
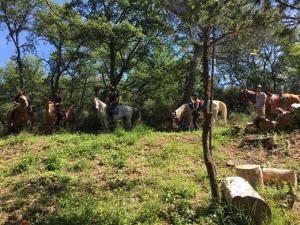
column 17, row 101
column 261, row 99
column 17, row 97
column 57, row 104
column 197, row 105
column 113, row 100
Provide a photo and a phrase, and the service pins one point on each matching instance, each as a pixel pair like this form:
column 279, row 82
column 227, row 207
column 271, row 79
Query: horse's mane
column 181, row 110
column 24, row 99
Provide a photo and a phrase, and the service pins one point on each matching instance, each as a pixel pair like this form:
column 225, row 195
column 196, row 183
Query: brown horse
column 68, row 118
column 273, row 101
column 18, row 117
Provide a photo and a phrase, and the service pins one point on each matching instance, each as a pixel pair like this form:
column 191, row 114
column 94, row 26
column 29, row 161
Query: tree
column 210, row 23
column 61, row 28
column 17, row 15
column 134, row 27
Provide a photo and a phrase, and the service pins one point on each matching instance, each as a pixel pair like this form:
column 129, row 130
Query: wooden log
column 251, row 173
column 239, row 193
column 295, row 109
column 267, row 142
column 273, row 175
column 250, row 128
column 267, row 125
column 285, row 119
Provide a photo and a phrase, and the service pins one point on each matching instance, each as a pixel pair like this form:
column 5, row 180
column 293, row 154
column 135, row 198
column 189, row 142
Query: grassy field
column 138, row 177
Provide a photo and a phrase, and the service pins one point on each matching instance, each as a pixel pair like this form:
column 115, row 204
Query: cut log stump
column 239, row 193
column 273, row 175
column 267, row 142
column 251, row 173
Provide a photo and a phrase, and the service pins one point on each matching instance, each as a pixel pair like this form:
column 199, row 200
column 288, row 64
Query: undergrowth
column 137, row 177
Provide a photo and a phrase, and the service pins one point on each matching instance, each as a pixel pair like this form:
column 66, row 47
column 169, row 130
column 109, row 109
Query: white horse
column 127, row 113
column 184, row 112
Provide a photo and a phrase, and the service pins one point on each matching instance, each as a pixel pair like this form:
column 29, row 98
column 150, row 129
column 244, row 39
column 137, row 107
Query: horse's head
column 23, row 101
column 51, row 107
column 96, row 103
column 247, row 95
column 99, row 105
column 243, row 92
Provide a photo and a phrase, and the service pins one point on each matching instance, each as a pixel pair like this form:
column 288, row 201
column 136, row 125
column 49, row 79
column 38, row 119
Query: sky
column 7, row 49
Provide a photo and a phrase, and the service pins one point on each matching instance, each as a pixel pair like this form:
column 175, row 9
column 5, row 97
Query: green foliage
column 23, row 165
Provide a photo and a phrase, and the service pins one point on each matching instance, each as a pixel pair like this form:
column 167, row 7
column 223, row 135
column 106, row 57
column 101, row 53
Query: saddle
column 113, row 110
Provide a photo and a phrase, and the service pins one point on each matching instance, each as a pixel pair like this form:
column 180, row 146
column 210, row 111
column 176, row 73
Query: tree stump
column 251, row 173
column 239, row 193
column 267, row 142
column 286, row 120
column 273, row 175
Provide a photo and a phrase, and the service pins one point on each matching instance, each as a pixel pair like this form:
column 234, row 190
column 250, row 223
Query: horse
column 68, row 117
column 273, row 101
column 129, row 114
column 18, row 117
column 185, row 112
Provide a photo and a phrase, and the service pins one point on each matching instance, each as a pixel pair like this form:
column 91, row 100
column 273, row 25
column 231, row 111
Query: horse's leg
column 105, row 125
column 214, row 118
column 190, row 121
column 127, row 124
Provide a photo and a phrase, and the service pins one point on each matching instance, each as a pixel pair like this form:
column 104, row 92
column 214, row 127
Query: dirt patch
column 9, row 152
column 164, row 139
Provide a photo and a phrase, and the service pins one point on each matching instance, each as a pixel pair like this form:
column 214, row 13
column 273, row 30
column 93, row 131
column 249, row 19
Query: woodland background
column 151, row 50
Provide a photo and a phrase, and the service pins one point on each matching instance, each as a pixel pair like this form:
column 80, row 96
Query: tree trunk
column 209, row 163
column 273, row 175
column 112, row 67
column 20, row 65
column 251, row 173
column 192, row 74
column 58, row 68
column 239, row 193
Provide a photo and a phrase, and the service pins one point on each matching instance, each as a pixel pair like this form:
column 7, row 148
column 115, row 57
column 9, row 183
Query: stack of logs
column 284, row 120
column 240, row 191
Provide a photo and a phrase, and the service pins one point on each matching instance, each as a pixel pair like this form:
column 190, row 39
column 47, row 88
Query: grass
column 138, row 177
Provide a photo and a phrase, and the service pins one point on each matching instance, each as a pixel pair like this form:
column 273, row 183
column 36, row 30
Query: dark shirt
column 57, row 99
column 17, row 98
column 113, row 96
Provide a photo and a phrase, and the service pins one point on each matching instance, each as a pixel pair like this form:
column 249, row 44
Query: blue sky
column 7, row 49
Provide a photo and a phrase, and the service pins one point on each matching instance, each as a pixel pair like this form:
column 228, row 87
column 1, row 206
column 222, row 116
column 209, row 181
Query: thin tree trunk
column 211, row 89
column 20, row 64
column 209, row 163
column 112, row 56
column 192, row 73
column 82, row 95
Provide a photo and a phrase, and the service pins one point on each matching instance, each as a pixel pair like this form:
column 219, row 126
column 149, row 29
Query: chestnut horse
column 68, row 118
column 18, row 117
column 273, row 101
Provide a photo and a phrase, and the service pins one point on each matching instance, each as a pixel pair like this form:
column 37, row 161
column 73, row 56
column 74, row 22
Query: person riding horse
column 22, row 92
column 17, row 97
column 113, row 101
column 57, row 104
column 196, row 105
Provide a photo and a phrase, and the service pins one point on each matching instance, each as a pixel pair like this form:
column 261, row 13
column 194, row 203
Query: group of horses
column 19, row 117
column 182, row 117
column 273, row 101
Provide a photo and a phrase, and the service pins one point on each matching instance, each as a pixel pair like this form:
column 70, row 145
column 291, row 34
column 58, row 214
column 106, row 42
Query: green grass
column 138, row 177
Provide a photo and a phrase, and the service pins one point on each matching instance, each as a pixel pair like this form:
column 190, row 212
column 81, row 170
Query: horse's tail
column 223, row 109
column 137, row 116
